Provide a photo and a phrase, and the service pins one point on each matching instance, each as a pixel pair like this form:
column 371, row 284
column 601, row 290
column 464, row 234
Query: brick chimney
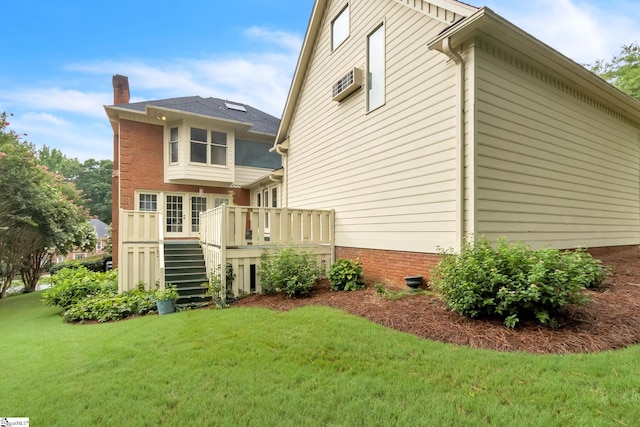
column 120, row 89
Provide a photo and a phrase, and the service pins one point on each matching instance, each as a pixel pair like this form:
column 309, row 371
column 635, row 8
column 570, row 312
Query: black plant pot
column 414, row 282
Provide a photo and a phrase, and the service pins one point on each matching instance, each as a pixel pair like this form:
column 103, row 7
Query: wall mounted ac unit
column 348, row 84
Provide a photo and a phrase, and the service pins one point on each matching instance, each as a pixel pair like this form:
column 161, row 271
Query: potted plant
column 166, row 299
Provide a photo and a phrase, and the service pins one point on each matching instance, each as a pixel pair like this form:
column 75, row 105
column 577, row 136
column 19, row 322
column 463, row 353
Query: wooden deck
column 234, row 236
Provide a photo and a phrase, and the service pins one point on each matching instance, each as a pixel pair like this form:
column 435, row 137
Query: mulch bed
column 612, row 321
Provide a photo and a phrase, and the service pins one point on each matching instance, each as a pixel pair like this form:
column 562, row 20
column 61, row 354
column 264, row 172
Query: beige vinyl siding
column 390, row 174
column 551, row 169
column 195, row 172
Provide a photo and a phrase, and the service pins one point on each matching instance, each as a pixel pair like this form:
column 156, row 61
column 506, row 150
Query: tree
column 92, row 178
column 59, row 164
column 40, row 213
column 95, row 182
column 623, row 70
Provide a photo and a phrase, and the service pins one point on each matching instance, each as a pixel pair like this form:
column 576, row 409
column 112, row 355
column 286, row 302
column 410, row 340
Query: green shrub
column 71, row 285
column 514, row 282
column 288, row 270
column 94, row 263
column 111, row 307
column 346, row 275
column 214, row 287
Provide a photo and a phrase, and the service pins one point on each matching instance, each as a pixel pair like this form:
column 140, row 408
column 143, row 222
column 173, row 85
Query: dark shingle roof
column 214, row 107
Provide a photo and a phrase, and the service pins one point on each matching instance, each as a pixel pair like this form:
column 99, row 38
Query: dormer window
column 208, row 147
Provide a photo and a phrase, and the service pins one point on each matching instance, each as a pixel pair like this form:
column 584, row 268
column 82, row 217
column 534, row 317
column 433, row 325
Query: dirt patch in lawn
column 612, row 321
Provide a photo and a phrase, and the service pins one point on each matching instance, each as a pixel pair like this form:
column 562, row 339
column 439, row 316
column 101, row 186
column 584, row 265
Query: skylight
column 236, row 107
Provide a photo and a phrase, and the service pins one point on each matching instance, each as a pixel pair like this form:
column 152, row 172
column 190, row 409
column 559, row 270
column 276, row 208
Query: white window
column 218, row 148
column 173, row 144
column 340, row 28
column 375, row 68
column 148, row 202
column 200, row 142
column 199, row 145
column 79, row 256
column 98, row 246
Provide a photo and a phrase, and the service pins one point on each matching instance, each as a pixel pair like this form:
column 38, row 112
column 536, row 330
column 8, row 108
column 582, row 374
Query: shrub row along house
column 419, row 123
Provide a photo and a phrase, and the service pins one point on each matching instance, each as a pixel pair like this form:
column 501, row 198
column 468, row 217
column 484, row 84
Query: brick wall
column 390, row 267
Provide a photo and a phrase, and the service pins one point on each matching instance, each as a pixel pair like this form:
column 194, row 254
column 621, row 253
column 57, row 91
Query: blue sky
column 58, row 57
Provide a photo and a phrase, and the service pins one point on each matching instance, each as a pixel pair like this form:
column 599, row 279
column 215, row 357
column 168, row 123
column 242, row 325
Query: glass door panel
column 175, row 214
column 198, row 204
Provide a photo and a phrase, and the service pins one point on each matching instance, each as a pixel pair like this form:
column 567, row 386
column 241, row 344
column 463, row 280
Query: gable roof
column 445, row 11
column 102, row 229
column 258, row 121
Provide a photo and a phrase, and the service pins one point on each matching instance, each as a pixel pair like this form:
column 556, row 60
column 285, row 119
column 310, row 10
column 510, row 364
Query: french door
column 174, row 211
column 198, row 204
column 182, row 213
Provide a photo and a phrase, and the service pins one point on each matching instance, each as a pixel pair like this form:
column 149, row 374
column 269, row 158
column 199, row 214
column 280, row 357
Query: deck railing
column 233, row 239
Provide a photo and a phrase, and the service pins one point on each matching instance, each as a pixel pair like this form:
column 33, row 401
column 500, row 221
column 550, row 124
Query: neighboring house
column 178, row 157
column 424, row 122
column 102, row 235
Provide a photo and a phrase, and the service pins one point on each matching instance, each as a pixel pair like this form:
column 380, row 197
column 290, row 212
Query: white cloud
column 583, row 30
column 260, row 79
column 44, row 119
column 73, row 120
column 291, row 42
column 56, row 99
column 75, row 136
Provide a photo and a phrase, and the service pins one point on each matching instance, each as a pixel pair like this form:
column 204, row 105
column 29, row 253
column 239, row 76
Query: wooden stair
column 185, row 268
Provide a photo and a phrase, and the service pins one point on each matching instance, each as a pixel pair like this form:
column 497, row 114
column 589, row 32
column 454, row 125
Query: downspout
column 285, row 165
column 460, row 129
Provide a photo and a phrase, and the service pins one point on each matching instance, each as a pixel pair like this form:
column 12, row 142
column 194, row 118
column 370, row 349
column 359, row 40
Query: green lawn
column 311, row 366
